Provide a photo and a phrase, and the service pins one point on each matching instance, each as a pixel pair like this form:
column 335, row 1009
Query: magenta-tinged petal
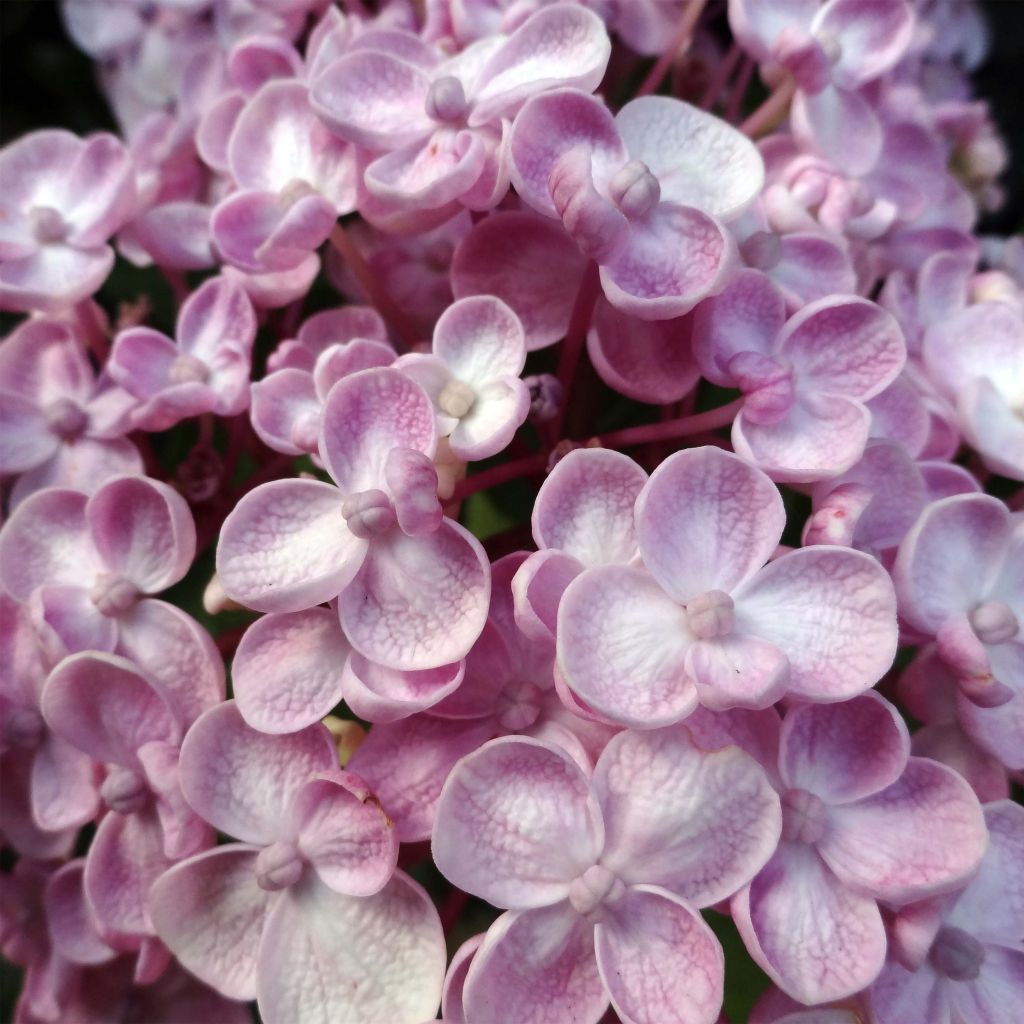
column 673, row 257
column 141, row 361
column 536, row 967
column 365, row 416
column 516, row 823
column 622, row 646
column 831, row 611
column 68, row 621
column 217, row 315
column 210, row 912
column 288, row 669
column 380, row 694
column 46, row 541
column 841, row 126
column 174, row 235
column 100, row 190
column 309, row 963
column 737, row 671
column 72, row 926
column 993, row 427
column 844, row 346
column 64, row 788
column 244, row 782
column 815, row 938
column 345, row 835
column 17, row 822
column 873, row 35
column 25, row 437
column 949, row 558
column 340, row 360
column 480, row 338
column 537, row 590
column 707, row 521
column 500, row 409
column 455, row 981
column 125, row 859
column 649, row 360
column 286, row 411
column 660, row 962
column 922, row 836
column 844, row 752
column 54, row 277
column 997, row 993
column 373, row 99
column 699, row 159
column 812, row 267
column 418, row 602
column 100, row 704
column 143, row 531
column 286, row 547
column 526, row 261
column 407, row 762
column 702, row 837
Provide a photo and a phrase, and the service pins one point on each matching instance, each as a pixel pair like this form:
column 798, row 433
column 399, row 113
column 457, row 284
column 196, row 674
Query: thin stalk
column 739, row 91
column 530, row 466
column 673, row 429
column 575, row 337
column 771, row 111
column 679, row 42
column 375, row 291
column 92, row 328
column 721, row 76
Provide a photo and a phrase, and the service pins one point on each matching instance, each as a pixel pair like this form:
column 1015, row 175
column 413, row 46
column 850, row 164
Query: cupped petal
column 141, row 360
column 102, row 705
column 846, row 751
column 64, row 787
column 481, row 339
column 174, row 235
column 18, row 823
column 500, row 409
column 211, row 913
column 345, row 835
column 841, row 125
column 696, row 823
column 25, row 437
column 326, row 958
column 46, row 540
column 365, row 416
column 244, row 782
column 648, row 360
column 585, row 507
column 516, row 823
column 844, row 346
column 418, row 602
column 659, row 960
column 706, row 520
column 699, row 159
column 286, row 547
column 997, row 994
column 673, row 257
column 737, row 671
column 379, row 694
column 99, row 190
column 872, row 34
column 922, row 836
column 143, row 531
column 526, row 261
column 831, row 611
column 622, row 644
column 218, row 315
column 536, row 967
column 54, row 277
column 815, row 938
column 812, row 267
column 993, row 426
column 452, row 1010
column 72, row 927
column 286, row 411
column 288, row 669
column 68, row 621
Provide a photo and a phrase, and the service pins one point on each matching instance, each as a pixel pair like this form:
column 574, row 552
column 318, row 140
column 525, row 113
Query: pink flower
column 275, row 916
column 704, row 622
column 602, row 875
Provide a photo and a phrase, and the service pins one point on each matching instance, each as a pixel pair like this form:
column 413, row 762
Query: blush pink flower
column 276, row 916
column 706, row 621
column 602, row 875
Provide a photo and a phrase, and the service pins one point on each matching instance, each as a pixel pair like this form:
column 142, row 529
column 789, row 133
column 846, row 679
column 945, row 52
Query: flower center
column 278, row 866
column 368, row 513
column 518, row 706
column 446, row 100
column 24, row 728
column 305, row 432
column 47, row 224
column 711, row 615
column 113, row 595
column 767, row 386
column 456, row 399
column 124, row 791
column 804, row 816
column 994, row 622
column 67, row 419
column 596, row 889
column 762, row 250
column 634, row 189
column 956, row 954
column 187, row 369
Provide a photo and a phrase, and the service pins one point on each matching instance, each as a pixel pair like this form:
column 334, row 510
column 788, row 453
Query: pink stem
column 532, row 465
column 739, row 91
column 677, row 45
column 375, row 291
column 92, row 328
column 771, row 111
column 177, row 283
column 575, row 336
column 684, row 427
column 721, row 76
column 206, row 426
column 455, row 902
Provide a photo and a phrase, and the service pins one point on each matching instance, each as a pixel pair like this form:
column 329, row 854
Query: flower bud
column 711, row 615
column 634, row 189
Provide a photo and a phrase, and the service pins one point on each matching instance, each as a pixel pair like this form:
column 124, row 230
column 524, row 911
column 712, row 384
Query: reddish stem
column 575, row 337
column 454, row 904
column 92, row 328
column 371, row 285
column 532, row 465
column 721, row 76
column 678, row 44
column 684, row 427
column 177, row 282
column 739, row 91
column 771, row 111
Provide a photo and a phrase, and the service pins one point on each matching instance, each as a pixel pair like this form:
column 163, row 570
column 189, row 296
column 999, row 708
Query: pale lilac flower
column 472, row 375
column 277, row 915
column 205, row 370
column 703, row 622
column 862, row 822
column 443, row 126
column 640, row 192
column 602, row 876
column 962, row 958
column 60, row 426
column 958, row 578
column 775, row 1007
column 64, row 197
column 805, row 380
column 85, row 565
column 412, row 585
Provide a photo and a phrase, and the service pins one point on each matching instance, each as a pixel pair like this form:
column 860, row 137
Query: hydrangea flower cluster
column 560, row 557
